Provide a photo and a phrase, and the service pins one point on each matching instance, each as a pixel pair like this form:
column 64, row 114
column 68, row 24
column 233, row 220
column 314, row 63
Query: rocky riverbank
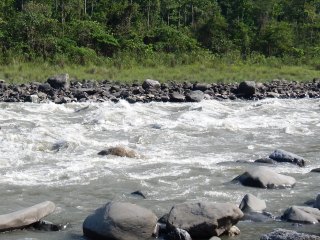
column 60, row 89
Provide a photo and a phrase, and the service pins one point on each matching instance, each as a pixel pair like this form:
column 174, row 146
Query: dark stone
column 283, row 234
column 284, row 156
column 120, row 152
column 195, row 96
column 247, row 88
column 59, row 81
column 178, row 234
column 264, row 177
column 300, row 214
column 48, row 226
column 149, row 83
column 138, row 193
column 316, row 170
column 204, row 219
column 265, row 160
column 258, row 217
column 317, row 202
column 201, row 86
column 120, row 221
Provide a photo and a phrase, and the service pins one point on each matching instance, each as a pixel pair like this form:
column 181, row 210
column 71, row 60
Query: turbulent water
column 49, row 152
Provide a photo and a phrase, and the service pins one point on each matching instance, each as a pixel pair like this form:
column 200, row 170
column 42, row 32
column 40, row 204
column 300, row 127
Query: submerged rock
column 284, row 156
column 317, row 202
column 120, row 221
column 283, row 234
column 264, row 177
column 316, row 170
column 300, row 214
column 204, row 219
column 138, row 193
column 120, row 152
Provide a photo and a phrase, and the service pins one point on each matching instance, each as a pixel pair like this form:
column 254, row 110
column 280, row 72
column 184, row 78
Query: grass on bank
column 200, row 71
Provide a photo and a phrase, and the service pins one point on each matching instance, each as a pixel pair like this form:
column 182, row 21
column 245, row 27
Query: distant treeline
column 82, row 31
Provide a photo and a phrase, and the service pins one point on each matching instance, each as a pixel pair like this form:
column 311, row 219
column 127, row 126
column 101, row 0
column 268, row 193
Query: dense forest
column 82, row 31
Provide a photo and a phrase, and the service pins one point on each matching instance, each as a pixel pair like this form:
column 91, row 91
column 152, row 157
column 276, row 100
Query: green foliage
column 96, row 30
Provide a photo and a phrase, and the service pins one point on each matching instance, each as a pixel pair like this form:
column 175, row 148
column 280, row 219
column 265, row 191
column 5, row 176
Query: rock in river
column 301, row 214
column 283, row 234
column 264, row 177
column 284, row 156
column 120, row 151
column 120, row 221
column 204, row 219
column 251, row 203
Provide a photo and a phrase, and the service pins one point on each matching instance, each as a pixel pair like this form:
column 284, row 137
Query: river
column 49, row 152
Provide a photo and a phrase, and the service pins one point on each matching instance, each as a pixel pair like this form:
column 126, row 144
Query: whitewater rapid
column 49, row 152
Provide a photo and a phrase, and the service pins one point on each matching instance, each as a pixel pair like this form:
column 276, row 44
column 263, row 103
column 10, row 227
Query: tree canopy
column 85, row 30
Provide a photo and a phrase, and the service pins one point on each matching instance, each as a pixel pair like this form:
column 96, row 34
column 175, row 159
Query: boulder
column 247, row 88
column 316, row 170
column 120, row 152
column 25, row 217
column 120, row 221
column 264, row 177
column 284, row 156
column 151, row 84
column 317, row 202
column 251, row 203
column 265, row 161
column 283, row 234
column 177, row 97
column 195, row 96
column 204, row 219
column 59, row 81
column 201, row 87
column 300, row 214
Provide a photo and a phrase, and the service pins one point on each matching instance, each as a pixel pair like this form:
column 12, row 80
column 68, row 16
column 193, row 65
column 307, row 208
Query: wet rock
column 177, row 97
column 138, row 193
column 26, row 217
column 215, row 238
column 48, row 226
column 204, row 219
column 264, row 177
column 317, row 202
column 247, row 88
column 178, row 234
column 59, row 81
column 120, row 221
column 251, row 203
column 195, row 96
column 284, row 156
column 201, row 87
column 265, row 161
column 233, row 231
column 300, row 214
column 151, row 84
column 316, row 170
column 120, row 152
column 283, row 234
column 32, row 99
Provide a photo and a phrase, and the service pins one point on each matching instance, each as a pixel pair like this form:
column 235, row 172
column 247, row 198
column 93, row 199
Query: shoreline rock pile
column 60, row 89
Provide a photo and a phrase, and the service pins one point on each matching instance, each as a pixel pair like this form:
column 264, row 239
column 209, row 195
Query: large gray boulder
column 264, row 177
column 251, row 203
column 301, row 214
column 204, row 219
column 284, row 156
column 120, row 221
column 195, row 96
column 26, row 217
column 59, row 81
column 283, row 234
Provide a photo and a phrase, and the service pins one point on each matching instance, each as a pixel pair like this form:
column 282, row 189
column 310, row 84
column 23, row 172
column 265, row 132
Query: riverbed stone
column 317, row 202
column 59, row 81
column 151, row 84
column 264, row 177
column 251, row 203
column 284, row 234
column 204, row 219
column 120, row 151
column 247, row 88
column 26, row 217
column 301, row 214
column 195, row 96
column 120, row 221
column 284, row 156
column 317, row 170
column 177, row 97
